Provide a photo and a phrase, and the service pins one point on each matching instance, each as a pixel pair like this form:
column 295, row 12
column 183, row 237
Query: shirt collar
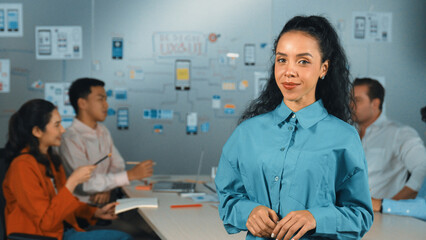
column 307, row 116
column 379, row 121
column 281, row 113
column 80, row 126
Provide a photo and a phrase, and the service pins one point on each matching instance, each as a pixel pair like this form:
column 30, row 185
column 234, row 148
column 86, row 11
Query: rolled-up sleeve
column 413, row 155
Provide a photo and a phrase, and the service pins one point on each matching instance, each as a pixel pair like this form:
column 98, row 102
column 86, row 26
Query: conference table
column 204, row 222
column 182, row 223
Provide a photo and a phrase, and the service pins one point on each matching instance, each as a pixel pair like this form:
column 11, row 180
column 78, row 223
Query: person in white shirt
column 396, row 155
column 86, row 141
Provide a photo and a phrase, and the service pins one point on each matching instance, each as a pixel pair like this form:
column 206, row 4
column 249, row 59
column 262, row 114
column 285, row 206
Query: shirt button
column 282, row 149
column 294, row 115
column 290, row 128
column 276, row 179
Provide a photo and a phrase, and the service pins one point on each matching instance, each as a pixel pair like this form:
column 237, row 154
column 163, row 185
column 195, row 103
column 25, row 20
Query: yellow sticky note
column 182, row 74
column 228, row 86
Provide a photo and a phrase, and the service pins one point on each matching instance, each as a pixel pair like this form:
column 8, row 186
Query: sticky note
column 182, row 74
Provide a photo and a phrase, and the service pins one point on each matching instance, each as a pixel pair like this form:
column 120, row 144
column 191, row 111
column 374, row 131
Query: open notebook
column 127, row 204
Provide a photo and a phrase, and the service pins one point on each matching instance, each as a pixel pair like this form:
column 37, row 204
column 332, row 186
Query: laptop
column 171, row 186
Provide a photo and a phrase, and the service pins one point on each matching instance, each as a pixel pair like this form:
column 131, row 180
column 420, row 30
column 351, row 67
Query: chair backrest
column 3, row 169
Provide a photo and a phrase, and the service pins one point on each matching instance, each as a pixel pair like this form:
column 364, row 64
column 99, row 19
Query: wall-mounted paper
column 58, row 42
column 372, row 26
column 57, row 93
column 4, row 75
column 11, row 20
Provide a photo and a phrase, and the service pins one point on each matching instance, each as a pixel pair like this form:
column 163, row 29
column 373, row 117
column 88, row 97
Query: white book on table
column 127, row 204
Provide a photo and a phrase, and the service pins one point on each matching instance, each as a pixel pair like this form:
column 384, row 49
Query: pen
column 100, row 160
column 136, row 163
column 186, row 205
column 132, row 163
column 207, row 186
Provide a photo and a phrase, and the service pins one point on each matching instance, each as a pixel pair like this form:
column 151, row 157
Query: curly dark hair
column 334, row 90
column 34, row 113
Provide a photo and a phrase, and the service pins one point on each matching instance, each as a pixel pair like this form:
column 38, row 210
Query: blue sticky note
column 205, row 127
column 121, row 94
column 111, row 112
column 229, row 111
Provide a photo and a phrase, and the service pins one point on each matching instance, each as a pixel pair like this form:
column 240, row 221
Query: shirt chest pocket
column 375, row 159
column 310, row 183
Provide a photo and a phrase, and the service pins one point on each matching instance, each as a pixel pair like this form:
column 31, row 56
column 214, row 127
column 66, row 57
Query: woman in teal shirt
column 294, row 168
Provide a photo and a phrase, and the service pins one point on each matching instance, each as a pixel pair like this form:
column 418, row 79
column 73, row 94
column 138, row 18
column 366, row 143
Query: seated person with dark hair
column 409, row 207
column 86, row 141
column 395, row 154
column 38, row 197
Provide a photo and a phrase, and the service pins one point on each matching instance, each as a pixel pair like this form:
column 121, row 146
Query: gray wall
column 401, row 62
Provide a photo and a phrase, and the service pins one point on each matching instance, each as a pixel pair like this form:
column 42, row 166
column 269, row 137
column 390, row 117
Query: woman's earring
column 322, row 78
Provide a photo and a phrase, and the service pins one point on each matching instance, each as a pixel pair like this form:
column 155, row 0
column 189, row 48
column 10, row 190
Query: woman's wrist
column 70, row 185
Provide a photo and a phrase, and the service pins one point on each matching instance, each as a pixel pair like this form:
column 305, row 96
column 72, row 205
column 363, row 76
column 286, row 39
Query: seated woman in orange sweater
column 38, row 197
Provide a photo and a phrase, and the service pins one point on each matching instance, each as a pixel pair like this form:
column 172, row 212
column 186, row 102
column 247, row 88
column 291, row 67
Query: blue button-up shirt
column 286, row 161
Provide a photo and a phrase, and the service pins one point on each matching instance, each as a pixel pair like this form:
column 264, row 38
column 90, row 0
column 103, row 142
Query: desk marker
column 186, row 206
column 100, row 160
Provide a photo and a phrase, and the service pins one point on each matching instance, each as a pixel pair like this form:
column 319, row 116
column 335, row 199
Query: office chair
column 14, row 236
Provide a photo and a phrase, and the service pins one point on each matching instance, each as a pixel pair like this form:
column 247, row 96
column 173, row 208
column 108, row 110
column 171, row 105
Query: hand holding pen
column 82, row 174
column 141, row 170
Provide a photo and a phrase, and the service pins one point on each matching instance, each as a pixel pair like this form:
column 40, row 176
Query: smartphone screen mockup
column 123, row 118
column 44, row 42
column 2, row 26
column 191, row 123
column 117, row 48
column 12, row 19
column 360, row 27
column 249, row 54
column 182, row 74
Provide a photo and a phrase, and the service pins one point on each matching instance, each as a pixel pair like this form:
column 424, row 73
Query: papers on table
column 206, row 198
column 131, row 203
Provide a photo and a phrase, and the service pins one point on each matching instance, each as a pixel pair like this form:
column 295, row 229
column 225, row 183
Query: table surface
column 204, row 222
column 182, row 223
column 386, row 226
